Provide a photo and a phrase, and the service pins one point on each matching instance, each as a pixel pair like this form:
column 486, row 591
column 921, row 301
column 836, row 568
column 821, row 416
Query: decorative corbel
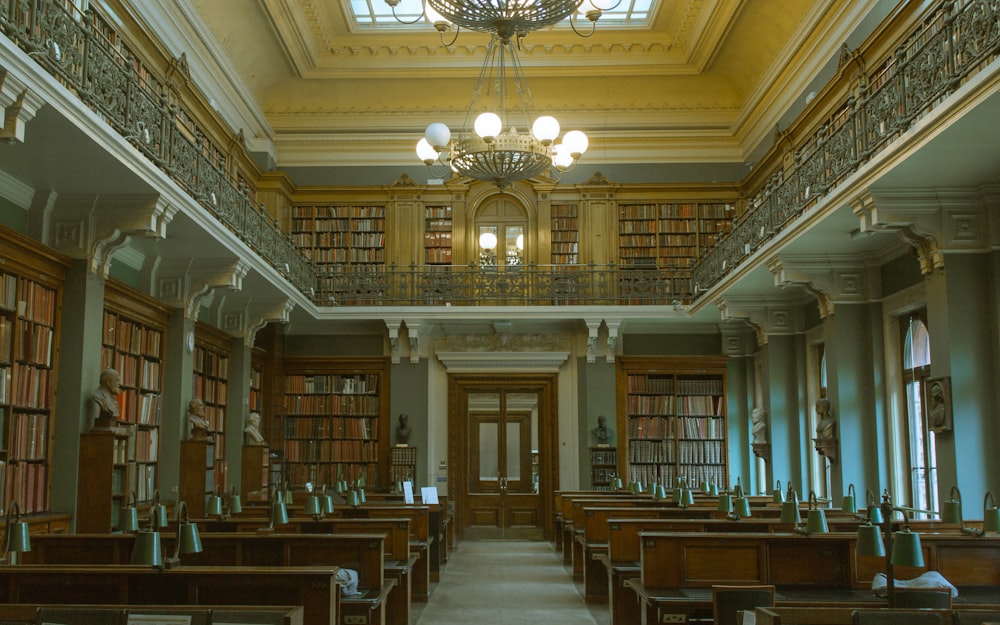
column 186, row 283
column 257, row 314
column 18, row 106
column 413, row 334
column 593, row 330
column 393, row 326
column 612, row 345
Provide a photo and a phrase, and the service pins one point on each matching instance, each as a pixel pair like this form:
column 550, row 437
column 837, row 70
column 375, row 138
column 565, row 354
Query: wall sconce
column 214, row 505
column 849, row 505
column 777, row 496
column 17, row 538
column 235, row 505
column 129, row 518
column 904, row 548
column 991, row 518
column 187, row 541
column 147, row 549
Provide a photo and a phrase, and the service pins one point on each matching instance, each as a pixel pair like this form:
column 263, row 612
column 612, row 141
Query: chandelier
column 507, row 17
column 494, row 149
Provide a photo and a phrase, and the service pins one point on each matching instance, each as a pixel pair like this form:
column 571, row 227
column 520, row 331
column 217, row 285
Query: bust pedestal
column 762, row 450
column 826, row 447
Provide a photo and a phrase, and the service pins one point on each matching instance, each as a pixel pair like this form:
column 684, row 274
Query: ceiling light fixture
column 493, row 149
column 507, row 17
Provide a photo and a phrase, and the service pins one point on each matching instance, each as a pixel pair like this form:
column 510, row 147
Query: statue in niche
column 403, row 429
column 197, row 421
column 252, row 430
column 602, row 433
column 826, row 425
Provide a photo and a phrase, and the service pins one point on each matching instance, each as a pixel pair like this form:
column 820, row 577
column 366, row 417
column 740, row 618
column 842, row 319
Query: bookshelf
column 670, row 235
column 403, row 464
column 335, row 421
column 437, row 235
column 31, row 280
column 211, row 386
column 338, row 236
column 105, row 470
column 673, row 411
column 565, row 234
column 255, row 472
column 603, row 467
column 132, row 343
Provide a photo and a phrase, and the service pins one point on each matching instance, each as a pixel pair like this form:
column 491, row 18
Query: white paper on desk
column 429, row 494
column 407, row 492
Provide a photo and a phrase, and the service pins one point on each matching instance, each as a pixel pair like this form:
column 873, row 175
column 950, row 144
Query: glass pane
column 489, row 467
column 488, row 242
column 513, row 451
column 514, row 245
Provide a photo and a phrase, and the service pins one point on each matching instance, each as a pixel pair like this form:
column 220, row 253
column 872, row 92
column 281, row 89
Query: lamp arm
column 592, row 20
column 441, row 32
column 182, row 517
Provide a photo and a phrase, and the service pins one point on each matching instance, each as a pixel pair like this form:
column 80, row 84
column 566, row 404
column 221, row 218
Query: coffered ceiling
column 706, row 82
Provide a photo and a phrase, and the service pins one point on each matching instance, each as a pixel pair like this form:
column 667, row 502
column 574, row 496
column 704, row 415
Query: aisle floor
column 507, row 583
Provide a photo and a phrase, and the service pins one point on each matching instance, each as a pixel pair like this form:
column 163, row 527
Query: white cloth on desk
column 930, row 579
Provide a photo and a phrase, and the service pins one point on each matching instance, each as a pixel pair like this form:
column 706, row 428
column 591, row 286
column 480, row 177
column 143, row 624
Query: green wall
column 408, row 394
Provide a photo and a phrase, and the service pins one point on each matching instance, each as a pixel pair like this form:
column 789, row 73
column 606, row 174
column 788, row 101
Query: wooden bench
column 677, row 570
column 420, row 537
column 313, row 588
column 362, row 552
column 32, row 614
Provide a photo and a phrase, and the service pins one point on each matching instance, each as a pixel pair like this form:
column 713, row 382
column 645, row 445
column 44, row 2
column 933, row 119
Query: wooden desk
column 313, row 588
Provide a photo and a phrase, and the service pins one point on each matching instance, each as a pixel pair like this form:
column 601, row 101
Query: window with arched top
column 501, row 233
column 921, row 452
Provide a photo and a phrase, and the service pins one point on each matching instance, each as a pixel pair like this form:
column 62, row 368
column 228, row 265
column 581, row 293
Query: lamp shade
column 675, row 495
column 991, row 514
column 659, row 492
column 777, row 496
column 849, row 505
column 18, row 538
column 618, row 483
column 713, row 489
column 188, row 538
column 158, row 513
column 146, row 550
column 704, row 486
column 951, row 509
column 687, row 498
column 327, row 504
column 725, row 503
column 816, row 522
column 361, row 495
column 279, row 513
column 790, row 512
column 129, row 519
column 438, row 135
column 741, row 506
column 235, row 504
column 214, row 505
column 353, row 499
column 906, row 549
column 870, row 541
column 312, row 507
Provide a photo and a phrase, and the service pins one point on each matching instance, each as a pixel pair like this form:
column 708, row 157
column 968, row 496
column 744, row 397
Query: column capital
column 830, row 280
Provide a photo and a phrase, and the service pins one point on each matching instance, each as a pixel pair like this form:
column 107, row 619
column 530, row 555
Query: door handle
column 503, row 483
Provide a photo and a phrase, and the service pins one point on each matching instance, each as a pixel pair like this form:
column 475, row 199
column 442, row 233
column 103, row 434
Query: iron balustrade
column 954, row 42
column 482, row 285
column 127, row 95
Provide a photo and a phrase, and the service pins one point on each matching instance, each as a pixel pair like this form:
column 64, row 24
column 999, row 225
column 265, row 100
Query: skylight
column 376, row 13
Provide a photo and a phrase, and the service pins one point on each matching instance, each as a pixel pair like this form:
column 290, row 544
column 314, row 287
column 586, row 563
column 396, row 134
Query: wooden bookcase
column 255, row 473
column 437, row 235
column 197, row 475
column 132, row 343
column 105, row 471
column 565, row 234
column 403, row 464
column 31, row 282
column 672, row 412
column 670, row 234
column 603, row 467
column 335, row 422
column 211, row 385
column 338, row 236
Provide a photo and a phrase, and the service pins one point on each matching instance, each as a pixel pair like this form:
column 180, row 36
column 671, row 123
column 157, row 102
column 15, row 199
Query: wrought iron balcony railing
column 525, row 285
column 956, row 41
column 122, row 90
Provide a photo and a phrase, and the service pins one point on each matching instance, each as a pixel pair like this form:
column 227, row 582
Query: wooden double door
column 502, row 465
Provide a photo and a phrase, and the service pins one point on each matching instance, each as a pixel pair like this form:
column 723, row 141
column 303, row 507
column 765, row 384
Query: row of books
column 675, row 210
column 646, row 451
column 703, row 427
column 437, row 212
column 700, row 405
column 350, row 405
column 328, row 212
column 437, row 239
column 565, row 225
column 138, row 407
column 211, row 363
column 210, row 390
column 37, row 303
column 701, row 452
column 35, row 344
column 123, row 449
column 345, row 255
column 665, row 385
column 8, row 291
column 439, row 256
column 133, row 371
column 602, row 475
column 131, row 337
column 331, row 451
column 342, row 384
column 6, row 339
column 31, row 386
column 403, row 456
column 147, row 445
column 5, row 385
column 27, row 484
column 363, row 428
column 603, row 456
column 564, row 210
column 29, row 437
column 651, row 427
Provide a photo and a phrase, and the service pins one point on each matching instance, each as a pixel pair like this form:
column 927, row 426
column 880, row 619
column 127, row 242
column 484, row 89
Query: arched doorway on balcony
column 501, row 234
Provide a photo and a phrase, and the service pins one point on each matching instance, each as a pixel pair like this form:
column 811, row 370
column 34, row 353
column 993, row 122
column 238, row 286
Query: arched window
column 920, row 440
column 501, row 234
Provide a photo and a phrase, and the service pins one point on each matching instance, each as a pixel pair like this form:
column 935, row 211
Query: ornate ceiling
column 707, row 82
